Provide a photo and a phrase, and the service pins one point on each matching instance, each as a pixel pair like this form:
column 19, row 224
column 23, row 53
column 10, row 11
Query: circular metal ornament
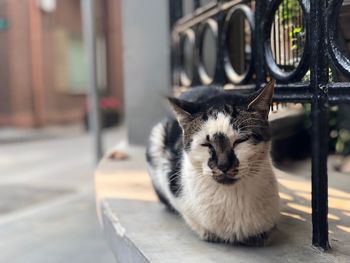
column 212, row 26
column 301, row 69
column 231, row 73
column 185, row 78
column 340, row 60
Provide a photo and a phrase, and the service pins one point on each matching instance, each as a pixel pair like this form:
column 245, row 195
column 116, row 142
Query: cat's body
column 211, row 164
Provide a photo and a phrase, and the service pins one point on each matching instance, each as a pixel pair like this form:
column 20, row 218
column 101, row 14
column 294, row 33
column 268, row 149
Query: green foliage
column 339, row 138
column 290, row 9
column 289, row 12
column 342, row 145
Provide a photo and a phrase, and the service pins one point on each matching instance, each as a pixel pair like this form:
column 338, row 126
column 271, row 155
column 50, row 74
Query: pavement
column 9, row 135
column 47, row 208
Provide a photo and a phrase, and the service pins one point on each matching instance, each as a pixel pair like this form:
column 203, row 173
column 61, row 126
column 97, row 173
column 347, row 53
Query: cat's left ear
column 262, row 101
column 183, row 110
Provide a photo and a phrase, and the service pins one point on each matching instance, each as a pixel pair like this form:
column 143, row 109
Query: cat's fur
column 211, row 164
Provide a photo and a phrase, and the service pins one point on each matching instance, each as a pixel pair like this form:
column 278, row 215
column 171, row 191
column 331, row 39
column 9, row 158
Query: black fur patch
column 254, row 126
column 173, row 147
column 205, row 116
column 175, row 178
column 149, row 158
column 164, row 200
column 255, row 241
column 221, row 141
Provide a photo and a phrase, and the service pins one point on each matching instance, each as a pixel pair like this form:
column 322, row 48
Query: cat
column 210, row 163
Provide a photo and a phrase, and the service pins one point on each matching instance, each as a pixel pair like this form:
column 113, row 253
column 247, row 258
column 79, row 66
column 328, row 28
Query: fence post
column 196, row 4
column 259, row 43
column 175, row 13
column 319, row 115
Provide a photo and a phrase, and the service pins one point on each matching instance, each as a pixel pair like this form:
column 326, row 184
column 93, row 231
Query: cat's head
column 227, row 136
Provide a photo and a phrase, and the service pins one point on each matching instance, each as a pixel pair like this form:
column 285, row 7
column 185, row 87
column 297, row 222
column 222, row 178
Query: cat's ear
column 262, row 101
column 183, row 110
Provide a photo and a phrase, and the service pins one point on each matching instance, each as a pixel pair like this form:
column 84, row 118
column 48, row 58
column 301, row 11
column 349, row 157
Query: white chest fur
column 232, row 212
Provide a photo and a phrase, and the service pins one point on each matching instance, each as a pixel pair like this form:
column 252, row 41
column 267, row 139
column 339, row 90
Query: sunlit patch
column 337, row 193
column 330, row 232
column 135, row 186
column 295, row 185
column 301, row 186
column 333, row 217
column 344, row 228
column 333, row 202
column 346, row 213
column 295, row 216
column 301, row 208
column 304, row 195
column 286, row 196
column 308, row 210
column 340, row 204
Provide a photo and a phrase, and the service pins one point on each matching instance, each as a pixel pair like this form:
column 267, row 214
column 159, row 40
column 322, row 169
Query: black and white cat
column 211, row 164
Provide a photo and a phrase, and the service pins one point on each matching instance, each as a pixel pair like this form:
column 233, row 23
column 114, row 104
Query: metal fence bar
column 319, row 80
column 258, row 47
column 175, row 11
column 313, row 20
column 196, row 4
column 88, row 17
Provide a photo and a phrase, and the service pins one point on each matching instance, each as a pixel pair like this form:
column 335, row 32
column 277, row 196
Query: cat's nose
column 224, row 164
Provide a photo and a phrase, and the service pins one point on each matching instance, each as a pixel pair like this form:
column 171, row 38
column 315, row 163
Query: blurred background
column 43, row 74
column 47, row 155
column 68, row 67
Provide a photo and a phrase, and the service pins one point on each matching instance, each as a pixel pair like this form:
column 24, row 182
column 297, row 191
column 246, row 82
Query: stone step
column 139, row 229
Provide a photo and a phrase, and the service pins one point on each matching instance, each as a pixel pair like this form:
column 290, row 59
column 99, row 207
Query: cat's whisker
column 251, row 119
column 251, row 127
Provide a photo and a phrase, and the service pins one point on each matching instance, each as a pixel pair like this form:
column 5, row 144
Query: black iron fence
column 243, row 43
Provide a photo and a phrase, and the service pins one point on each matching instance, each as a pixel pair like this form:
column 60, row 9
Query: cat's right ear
column 183, row 110
column 262, row 101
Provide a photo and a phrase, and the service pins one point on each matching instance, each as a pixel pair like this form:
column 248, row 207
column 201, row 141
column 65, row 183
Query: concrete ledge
column 139, row 229
column 286, row 122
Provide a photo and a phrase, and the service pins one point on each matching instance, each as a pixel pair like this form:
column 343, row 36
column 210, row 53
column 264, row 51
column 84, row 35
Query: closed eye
column 240, row 140
column 210, row 148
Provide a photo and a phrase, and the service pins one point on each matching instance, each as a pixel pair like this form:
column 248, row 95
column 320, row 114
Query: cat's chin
column 223, row 179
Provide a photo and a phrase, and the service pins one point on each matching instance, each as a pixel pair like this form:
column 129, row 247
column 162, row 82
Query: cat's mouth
column 224, row 179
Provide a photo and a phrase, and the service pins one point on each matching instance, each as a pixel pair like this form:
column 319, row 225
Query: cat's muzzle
column 225, row 178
